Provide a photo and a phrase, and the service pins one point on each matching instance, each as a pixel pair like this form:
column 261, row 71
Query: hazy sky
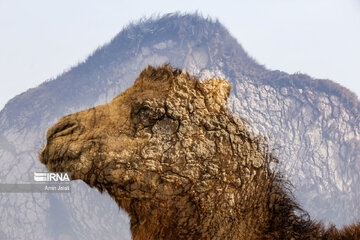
column 39, row 39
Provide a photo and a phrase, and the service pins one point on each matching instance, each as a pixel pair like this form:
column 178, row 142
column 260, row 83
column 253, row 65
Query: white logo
column 51, row 177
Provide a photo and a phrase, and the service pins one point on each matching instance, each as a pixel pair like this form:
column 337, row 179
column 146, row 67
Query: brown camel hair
column 171, row 154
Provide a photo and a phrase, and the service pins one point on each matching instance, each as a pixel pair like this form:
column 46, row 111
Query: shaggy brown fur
column 169, row 153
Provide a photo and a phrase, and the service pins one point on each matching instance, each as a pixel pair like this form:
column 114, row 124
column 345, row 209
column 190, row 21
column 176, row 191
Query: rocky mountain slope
column 312, row 124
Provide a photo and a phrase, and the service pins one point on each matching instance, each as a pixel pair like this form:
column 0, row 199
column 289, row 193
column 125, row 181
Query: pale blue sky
column 39, row 39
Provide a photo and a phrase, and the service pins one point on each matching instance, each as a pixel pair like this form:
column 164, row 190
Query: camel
column 173, row 156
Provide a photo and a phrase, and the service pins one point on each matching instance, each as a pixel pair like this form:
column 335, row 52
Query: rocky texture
column 320, row 155
column 168, row 152
column 316, row 133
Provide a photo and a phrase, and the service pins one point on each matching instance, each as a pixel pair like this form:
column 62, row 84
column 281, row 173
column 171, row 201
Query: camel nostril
column 62, row 129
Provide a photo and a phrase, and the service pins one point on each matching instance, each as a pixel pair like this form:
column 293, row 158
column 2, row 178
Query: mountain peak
column 180, row 32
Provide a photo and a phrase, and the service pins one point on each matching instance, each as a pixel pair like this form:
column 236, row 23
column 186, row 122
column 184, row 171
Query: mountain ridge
column 130, row 31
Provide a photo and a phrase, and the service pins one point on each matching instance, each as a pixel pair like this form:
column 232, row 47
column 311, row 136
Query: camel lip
column 53, row 163
column 42, row 158
column 45, row 159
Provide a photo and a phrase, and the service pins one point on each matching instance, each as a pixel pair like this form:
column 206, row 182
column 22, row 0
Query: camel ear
column 216, row 93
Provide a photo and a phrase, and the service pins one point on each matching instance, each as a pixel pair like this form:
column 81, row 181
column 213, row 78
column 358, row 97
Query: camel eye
column 166, row 126
column 147, row 113
column 153, row 113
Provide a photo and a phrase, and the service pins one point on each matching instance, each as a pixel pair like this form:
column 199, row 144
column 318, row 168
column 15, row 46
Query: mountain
column 312, row 125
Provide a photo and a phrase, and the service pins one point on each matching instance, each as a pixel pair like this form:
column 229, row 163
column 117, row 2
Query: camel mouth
column 57, row 153
column 53, row 163
column 45, row 159
column 52, row 160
